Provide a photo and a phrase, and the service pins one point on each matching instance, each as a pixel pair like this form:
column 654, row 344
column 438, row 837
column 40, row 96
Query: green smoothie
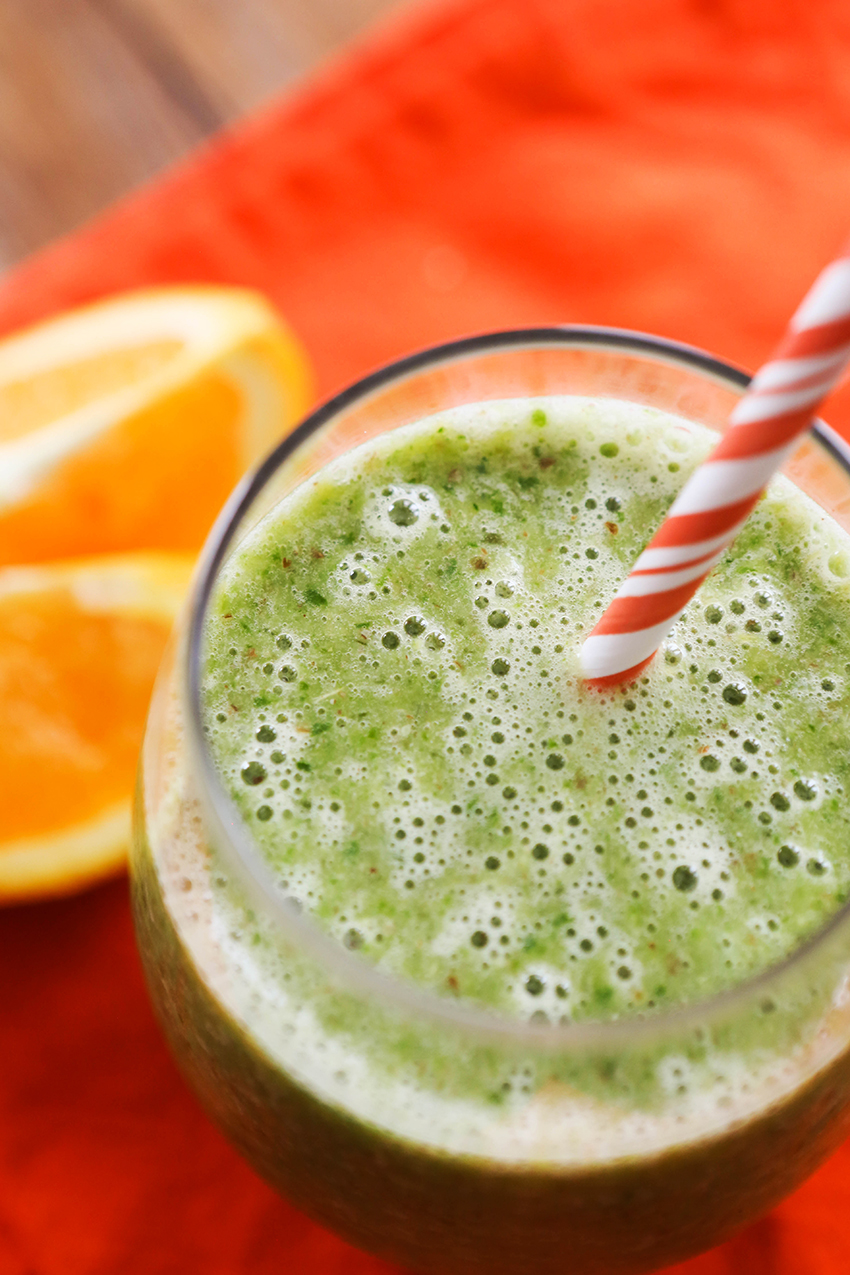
column 394, row 698
column 478, row 1057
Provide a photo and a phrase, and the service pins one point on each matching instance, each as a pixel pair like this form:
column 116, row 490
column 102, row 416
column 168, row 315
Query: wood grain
column 98, row 95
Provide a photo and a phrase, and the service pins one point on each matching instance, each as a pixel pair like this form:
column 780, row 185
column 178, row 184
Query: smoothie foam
column 394, row 698
column 394, row 650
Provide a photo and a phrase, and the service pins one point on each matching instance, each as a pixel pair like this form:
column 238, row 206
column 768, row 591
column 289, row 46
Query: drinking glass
column 423, row 1129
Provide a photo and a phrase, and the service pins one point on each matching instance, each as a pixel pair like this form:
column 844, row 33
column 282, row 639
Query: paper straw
column 716, row 500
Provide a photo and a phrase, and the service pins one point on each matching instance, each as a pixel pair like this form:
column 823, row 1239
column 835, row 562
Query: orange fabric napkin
column 681, row 166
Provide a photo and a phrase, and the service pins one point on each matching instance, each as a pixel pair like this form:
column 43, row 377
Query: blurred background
column 98, row 95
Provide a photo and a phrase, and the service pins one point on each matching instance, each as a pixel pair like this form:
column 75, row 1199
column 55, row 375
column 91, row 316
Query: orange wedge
column 80, row 643
column 124, row 425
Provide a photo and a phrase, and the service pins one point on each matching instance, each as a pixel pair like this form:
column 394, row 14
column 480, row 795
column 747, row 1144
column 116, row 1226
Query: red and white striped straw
column 718, row 497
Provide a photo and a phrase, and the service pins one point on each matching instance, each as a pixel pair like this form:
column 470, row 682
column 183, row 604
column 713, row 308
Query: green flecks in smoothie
column 436, row 760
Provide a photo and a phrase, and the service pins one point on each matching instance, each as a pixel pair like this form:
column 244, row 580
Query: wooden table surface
column 98, row 95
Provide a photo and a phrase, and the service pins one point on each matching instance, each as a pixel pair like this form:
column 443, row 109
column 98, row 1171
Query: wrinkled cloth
column 678, row 166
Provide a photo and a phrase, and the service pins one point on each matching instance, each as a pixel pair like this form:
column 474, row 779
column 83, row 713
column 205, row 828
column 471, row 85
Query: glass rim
column 355, row 973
